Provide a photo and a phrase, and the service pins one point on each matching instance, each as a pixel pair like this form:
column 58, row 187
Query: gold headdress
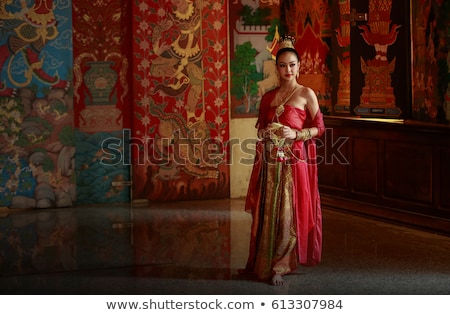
column 286, row 42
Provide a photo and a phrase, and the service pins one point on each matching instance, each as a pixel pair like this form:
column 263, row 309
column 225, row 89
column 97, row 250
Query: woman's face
column 288, row 66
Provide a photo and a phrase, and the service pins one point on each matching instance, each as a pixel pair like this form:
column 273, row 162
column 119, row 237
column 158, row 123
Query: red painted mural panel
column 181, row 119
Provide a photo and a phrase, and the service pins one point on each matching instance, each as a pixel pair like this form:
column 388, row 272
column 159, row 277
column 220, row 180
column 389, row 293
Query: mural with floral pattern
column 181, row 102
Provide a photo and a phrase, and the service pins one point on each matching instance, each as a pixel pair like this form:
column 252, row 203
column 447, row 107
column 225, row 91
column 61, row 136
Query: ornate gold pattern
column 287, row 42
column 41, row 19
column 185, row 15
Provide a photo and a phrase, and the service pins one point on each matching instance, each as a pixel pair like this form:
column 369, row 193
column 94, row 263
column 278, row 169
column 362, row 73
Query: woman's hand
column 264, row 133
column 289, row 133
column 272, row 128
column 280, row 130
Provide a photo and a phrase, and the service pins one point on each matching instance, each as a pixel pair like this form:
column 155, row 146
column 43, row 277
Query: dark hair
column 286, row 49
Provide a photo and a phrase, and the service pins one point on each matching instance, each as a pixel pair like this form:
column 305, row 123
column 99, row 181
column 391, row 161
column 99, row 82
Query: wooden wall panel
column 333, row 161
column 444, row 178
column 365, row 165
column 397, row 170
column 408, row 171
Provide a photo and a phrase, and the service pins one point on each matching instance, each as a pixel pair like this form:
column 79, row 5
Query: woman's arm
column 315, row 128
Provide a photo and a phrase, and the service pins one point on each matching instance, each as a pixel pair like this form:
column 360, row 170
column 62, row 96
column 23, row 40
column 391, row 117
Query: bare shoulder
column 306, row 92
column 310, row 97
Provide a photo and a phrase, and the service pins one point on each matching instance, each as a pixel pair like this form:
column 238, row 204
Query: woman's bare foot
column 277, row 280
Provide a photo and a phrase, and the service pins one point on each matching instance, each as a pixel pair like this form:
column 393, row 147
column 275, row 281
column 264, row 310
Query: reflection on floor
column 196, row 247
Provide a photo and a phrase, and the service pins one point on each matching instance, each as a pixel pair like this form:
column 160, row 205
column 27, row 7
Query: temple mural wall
column 108, row 101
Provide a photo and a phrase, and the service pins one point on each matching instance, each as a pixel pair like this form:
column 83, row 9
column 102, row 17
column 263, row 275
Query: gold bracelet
column 304, row 134
column 301, row 135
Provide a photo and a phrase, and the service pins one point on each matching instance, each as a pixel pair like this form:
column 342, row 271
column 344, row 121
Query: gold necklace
column 281, row 99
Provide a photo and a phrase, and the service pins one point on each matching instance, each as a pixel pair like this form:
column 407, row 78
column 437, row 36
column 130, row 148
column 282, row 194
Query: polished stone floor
column 196, row 247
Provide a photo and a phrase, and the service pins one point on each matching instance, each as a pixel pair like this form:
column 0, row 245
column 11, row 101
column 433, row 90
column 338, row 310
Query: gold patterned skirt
column 273, row 229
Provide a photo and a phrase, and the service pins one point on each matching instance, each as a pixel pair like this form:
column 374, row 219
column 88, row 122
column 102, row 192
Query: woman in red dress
column 283, row 195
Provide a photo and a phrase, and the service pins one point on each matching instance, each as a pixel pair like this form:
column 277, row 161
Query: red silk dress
column 283, row 197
